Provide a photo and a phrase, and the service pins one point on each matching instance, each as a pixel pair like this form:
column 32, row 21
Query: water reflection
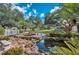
column 41, row 46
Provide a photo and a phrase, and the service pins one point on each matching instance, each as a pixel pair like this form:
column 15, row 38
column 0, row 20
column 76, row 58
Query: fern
column 73, row 47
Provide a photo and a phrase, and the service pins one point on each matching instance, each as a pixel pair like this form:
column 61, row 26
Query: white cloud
column 28, row 5
column 42, row 15
column 26, row 17
column 30, row 14
column 24, row 11
column 21, row 9
column 54, row 9
column 24, row 7
column 34, row 10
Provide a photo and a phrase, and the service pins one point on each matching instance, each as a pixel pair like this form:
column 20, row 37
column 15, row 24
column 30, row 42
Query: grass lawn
column 44, row 31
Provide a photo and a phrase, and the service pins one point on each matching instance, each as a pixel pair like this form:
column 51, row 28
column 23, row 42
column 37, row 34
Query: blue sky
column 37, row 9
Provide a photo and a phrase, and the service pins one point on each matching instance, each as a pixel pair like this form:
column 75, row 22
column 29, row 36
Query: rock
column 5, row 43
column 28, row 43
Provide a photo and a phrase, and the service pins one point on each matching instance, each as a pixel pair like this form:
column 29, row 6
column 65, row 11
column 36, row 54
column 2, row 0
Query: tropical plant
column 1, row 30
column 71, row 49
column 14, row 51
column 67, row 11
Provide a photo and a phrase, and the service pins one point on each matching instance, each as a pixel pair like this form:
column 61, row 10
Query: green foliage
column 14, row 18
column 45, row 31
column 71, row 49
column 9, row 16
column 60, row 51
column 72, row 10
column 1, row 30
column 22, row 24
column 14, row 51
column 34, row 22
column 68, row 11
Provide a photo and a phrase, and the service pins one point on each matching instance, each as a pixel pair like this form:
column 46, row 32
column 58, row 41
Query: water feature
column 41, row 44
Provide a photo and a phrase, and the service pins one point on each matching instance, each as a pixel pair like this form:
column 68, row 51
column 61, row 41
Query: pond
column 41, row 46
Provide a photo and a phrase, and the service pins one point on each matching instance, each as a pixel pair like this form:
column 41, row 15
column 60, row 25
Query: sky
column 37, row 9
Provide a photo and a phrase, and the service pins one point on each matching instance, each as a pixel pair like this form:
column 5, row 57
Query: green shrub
column 1, row 30
column 71, row 49
column 14, row 51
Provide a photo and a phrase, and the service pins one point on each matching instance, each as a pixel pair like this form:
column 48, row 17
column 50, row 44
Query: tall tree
column 9, row 17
